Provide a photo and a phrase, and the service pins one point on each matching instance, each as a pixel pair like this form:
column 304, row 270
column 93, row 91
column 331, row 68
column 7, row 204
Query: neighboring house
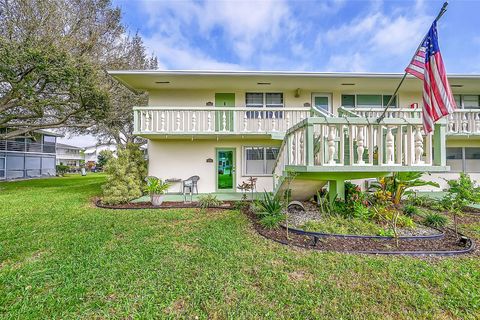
column 228, row 126
column 70, row 155
column 92, row 152
column 28, row 156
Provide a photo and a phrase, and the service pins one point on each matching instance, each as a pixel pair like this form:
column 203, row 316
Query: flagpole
column 382, row 116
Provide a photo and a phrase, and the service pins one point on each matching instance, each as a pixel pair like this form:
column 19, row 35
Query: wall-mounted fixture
column 162, row 82
column 209, row 104
column 307, row 105
column 348, row 84
column 297, row 93
column 456, row 85
column 209, row 160
column 264, row 83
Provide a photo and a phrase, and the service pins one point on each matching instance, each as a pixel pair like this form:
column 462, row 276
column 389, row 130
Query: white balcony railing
column 358, row 143
column 462, row 121
column 199, row 120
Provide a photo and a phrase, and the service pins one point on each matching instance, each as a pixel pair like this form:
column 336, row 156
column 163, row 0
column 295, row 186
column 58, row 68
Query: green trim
column 309, row 145
column 439, row 145
column 336, row 189
column 234, row 167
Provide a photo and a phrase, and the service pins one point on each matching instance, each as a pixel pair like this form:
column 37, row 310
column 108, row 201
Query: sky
column 330, row 35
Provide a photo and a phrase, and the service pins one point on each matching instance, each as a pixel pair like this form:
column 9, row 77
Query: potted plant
column 156, row 188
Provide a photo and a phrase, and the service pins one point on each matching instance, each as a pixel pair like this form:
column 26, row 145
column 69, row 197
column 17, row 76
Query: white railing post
column 390, row 146
column 259, row 121
column 360, row 146
column 209, row 121
column 245, row 122
column 331, row 145
column 418, row 146
column 194, row 122
column 224, row 121
column 273, row 122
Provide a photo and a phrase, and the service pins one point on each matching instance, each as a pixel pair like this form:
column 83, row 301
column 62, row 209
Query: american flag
column 427, row 65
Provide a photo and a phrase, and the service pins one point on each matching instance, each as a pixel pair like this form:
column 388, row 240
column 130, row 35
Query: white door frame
column 323, row 94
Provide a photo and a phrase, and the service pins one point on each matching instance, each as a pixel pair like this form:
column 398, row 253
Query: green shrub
column 272, row 221
column 62, row 169
column 125, row 176
column 386, row 233
column 269, row 205
column 360, row 211
column 435, row 220
column 419, row 200
column 240, row 205
column 410, row 210
column 209, row 200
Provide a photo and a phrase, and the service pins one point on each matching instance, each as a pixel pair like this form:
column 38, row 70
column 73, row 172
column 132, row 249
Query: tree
column 103, row 157
column 117, row 124
column 125, row 175
column 42, row 86
column 84, row 32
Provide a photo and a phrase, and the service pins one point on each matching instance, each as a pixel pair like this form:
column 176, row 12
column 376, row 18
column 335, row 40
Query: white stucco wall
column 184, row 158
column 199, row 98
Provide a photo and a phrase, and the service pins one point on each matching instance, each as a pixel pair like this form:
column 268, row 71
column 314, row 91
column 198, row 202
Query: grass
column 62, row 258
column 342, row 225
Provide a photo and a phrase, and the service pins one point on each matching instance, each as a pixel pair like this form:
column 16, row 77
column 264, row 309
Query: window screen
column 260, row 160
column 369, row 100
column 348, row 100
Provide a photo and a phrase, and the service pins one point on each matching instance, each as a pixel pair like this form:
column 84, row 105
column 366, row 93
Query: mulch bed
column 227, row 205
column 447, row 245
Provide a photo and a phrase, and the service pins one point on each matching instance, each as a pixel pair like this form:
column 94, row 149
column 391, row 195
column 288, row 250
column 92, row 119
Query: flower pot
column 157, row 199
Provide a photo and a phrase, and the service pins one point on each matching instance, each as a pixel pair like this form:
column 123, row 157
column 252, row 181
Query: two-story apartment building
column 28, row 156
column 228, row 126
column 69, row 155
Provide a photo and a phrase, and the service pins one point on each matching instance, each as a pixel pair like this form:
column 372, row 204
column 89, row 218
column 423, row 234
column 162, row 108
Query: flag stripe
column 427, row 65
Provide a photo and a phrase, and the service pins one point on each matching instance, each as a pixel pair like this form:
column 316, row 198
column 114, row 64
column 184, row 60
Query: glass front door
column 321, row 102
column 226, row 170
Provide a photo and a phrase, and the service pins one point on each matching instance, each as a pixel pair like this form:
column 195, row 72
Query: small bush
column 386, row 233
column 360, row 211
column 272, row 221
column 410, row 210
column 208, row 201
column 62, row 169
column 435, row 220
column 269, row 205
column 240, row 205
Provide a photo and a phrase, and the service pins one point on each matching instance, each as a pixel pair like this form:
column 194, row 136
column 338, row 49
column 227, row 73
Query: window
column 259, row 160
column 455, row 159
column 367, row 100
column 472, row 159
column 467, row 101
column 264, row 100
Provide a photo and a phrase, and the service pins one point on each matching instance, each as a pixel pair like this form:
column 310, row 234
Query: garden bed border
column 98, row 204
column 439, row 235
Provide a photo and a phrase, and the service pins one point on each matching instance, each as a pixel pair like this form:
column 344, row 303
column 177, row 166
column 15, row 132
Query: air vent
column 348, row 84
column 456, row 85
column 264, row 83
column 162, row 82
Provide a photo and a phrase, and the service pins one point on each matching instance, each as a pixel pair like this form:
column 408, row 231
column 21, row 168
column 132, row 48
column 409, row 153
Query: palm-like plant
column 156, row 186
column 397, row 184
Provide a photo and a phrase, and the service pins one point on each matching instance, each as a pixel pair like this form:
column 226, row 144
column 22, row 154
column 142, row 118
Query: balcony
column 15, row 146
column 160, row 122
column 464, row 122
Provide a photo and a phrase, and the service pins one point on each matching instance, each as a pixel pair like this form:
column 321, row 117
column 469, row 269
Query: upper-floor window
column 467, row 101
column 261, row 100
column 367, row 100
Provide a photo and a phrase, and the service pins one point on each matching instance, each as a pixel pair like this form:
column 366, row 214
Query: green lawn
column 62, row 258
